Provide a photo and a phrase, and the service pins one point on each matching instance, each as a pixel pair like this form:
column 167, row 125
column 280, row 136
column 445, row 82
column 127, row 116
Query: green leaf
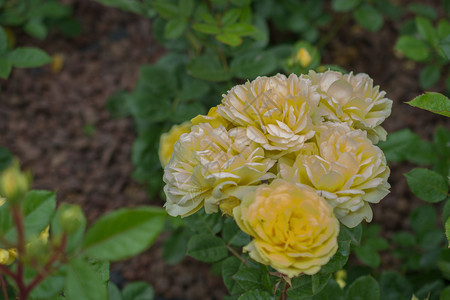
column 6, row 158
column 429, row 76
column 28, row 57
column 101, row 267
column 123, row 233
column 368, row 17
column 138, row 290
column 207, row 248
column 352, row 235
column 166, row 9
column 208, row 67
column 230, row 17
column 423, row 219
column 446, row 212
column 126, row 5
column 413, row 48
column 5, row 68
column 83, row 282
column 186, row 7
column 253, row 64
column 444, row 45
column 368, row 256
column 332, row 291
column 404, row 239
column 443, row 28
column 239, row 29
column 3, row 40
column 393, row 286
column 51, row 286
column 445, row 293
column 427, row 185
column 423, row 10
column 256, row 295
column 307, row 286
column 175, row 247
column 117, row 105
column 233, row 235
column 230, row 266
column 339, row 260
column 175, row 28
column 248, row 279
column 193, row 88
column 230, row 39
column 397, row 144
column 114, row 292
column 427, row 30
column 207, row 28
column 447, row 229
column 363, row 288
column 345, row 5
column 36, row 28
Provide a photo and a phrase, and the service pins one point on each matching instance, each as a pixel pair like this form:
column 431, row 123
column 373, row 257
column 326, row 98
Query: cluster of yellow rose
column 288, row 158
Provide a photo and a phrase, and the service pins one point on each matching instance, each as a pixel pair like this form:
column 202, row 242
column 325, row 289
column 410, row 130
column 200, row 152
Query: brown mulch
column 58, row 126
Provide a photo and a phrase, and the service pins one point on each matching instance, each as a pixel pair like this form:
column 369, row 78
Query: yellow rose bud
column 294, row 229
column 13, row 183
column 6, row 256
column 71, row 217
column 340, row 277
column 303, row 57
column 168, row 140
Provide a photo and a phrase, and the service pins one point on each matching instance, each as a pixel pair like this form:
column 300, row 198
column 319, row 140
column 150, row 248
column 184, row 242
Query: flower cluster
column 288, row 158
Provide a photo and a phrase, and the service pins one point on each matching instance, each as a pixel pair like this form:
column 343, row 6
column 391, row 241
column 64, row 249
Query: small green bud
column 71, row 218
column 13, row 183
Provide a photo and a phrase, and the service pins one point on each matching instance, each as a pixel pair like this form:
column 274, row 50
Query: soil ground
column 56, row 123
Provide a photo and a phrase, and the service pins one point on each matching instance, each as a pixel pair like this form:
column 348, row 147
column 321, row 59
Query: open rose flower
column 354, row 100
column 276, row 111
column 167, row 141
column 349, row 172
column 293, row 228
column 208, row 165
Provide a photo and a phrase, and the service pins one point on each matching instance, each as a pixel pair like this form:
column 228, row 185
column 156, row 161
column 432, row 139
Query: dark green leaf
column 5, row 68
column 368, row 17
column 117, row 105
column 398, row 144
column 443, row 28
column 6, row 158
column 186, row 7
column 307, row 286
column 3, row 40
column 427, row 30
column 101, row 267
column 427, row 185
column 83, row 282
column 230, row 266
column 138, row 290
column 208, row 67
column 233, row 235
column 193, row 88
column 230, row 17
column 126, row 5
column 423, row 219
column 393, row 286
column 404, row 239
column 431, row 239
column 175, row 247
column 423, row 10
column 445, row 293
column 368, row 256
column 446, row 212
column 36, row 28
column 444, row 45
column 429, row 76
column 175, row 28
column 202, row 222
column 123, row 233
column 28, row 57
column 351, row 234
column 253, row 64
column 345, row 5
column 248, row 279
column 332, row 291
column 207, row 28
column 413, row 48
column 166, row 9
column 239, row 29
column 207, row 248
column 363, row 288
column 50, row 286
column 447, row 229
column 431, row 290
column 114, row 292
column 256, row 295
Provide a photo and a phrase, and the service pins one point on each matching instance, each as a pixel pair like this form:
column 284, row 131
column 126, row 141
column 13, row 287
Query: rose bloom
column 354, row 100
column 293, row 228
column 209, row 165
column 168, row 140
column 348, row 171
column 276, row 111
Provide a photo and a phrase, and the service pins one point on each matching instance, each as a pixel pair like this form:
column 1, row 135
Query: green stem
column 237, row 255
column 283, row 291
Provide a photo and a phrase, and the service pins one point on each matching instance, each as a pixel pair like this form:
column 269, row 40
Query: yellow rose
column 7, row 256
column 349, row 172
column 168, row 140
column 276, row 111
column 354, row 100
column 209, row 165
column 213, row 118
column 293, row 228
